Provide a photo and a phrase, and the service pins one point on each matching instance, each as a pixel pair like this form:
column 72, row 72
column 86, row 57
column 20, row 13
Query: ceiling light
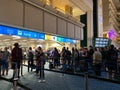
column 1, row 34
column 24, row 40
column 16, row 37
column 6, row 39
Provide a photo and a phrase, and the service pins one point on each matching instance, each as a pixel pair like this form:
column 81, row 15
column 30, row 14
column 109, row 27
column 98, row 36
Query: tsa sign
column 7, row 30
column 54, row 38
column 19, row 33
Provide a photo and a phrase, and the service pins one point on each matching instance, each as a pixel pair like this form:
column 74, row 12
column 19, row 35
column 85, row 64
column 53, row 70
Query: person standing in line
column 90, row 56
column 68, row 57
column 63, row 55
column 97, row 61
column 30, row 58
column 40, row 64
column 111, row 62
column 16, row 56
column 1, row 55
column 5, row 58
column 56, row 57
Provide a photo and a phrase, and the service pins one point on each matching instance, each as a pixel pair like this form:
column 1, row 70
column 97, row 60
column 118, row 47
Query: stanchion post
column 15, row 84
column 21, row 69
column 0, row 68
column 15, row 78
column 86, row 80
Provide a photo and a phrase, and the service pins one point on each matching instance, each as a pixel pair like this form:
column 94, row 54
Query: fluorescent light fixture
column 33, row 39
column 6, row 40
column 39, row 45
column 23, row 40
column 40, row 39
column 55, row 45
column 16, row 37
column 1, row 34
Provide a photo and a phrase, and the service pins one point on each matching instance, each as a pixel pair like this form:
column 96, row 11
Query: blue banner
column 31, row 34
column 21, row 32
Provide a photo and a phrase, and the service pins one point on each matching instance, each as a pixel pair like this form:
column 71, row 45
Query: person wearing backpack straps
column 5, row 58
column 30, row 58
column 16, row 58
column 112, row 57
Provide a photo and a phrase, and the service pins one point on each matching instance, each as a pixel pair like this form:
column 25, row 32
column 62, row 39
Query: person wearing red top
column 16, row 58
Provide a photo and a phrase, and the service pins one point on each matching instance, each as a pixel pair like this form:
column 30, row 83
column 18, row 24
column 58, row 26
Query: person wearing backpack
column 16, row 59
column 1, row 55
column 40, row 64
column 56, row 57
column 30, row 58
column 5, row 58
column 111, row 62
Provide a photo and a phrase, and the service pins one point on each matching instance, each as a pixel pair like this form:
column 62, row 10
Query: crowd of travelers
column 73, row 60
column 83, row 59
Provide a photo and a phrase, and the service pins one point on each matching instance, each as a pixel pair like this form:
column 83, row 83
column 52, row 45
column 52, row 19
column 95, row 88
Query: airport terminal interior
column 70, row 33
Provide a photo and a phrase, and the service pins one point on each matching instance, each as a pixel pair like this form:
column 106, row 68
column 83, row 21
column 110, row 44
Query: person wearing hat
column 16, row 57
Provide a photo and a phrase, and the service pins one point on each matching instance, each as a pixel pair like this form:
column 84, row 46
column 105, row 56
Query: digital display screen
column 101, row 42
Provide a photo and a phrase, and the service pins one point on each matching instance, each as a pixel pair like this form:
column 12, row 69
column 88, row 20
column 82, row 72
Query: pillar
column 90, row 28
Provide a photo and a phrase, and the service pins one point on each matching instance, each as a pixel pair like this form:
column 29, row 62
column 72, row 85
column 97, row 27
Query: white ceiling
column 10, row 40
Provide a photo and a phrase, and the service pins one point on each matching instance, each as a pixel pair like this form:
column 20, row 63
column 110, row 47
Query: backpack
column 31, row 55
column 113, row 55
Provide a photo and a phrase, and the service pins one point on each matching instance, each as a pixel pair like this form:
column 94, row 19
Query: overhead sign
column 31, row 34
column 59, row 39
column 21, row 32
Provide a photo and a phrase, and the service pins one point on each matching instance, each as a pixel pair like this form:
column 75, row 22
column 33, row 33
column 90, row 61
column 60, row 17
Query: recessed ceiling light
column 1, row 34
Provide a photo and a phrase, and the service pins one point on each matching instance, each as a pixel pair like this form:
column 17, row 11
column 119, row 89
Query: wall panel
column 62, row 27
column 77, row 32
column 81, row 34
column 33, row 18
column 11, row 12
column 70, row 30
column 50, row 23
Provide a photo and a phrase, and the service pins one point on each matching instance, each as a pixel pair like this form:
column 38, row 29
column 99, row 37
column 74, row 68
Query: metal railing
column 86, row 80
column 15, row 76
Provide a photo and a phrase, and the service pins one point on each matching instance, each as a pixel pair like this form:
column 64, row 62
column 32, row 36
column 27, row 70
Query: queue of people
column 94, row 58
column 97, row 59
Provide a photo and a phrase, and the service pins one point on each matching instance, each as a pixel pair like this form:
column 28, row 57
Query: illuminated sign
column 59, row 39
column 48, row 37
column 21, row 32
column 31, row 34
column 112, row 34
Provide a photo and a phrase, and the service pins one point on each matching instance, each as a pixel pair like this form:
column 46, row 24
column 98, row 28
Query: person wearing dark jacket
column 111, row 62
column 30, row 58
column 16, row 58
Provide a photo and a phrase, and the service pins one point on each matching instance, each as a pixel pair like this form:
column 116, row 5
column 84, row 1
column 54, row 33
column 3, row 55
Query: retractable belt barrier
column 86, row 80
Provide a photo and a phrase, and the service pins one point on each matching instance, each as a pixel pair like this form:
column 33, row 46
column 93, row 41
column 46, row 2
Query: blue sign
column 72, row 41
column 30, row 34
column 20, row 32
column 8, row 30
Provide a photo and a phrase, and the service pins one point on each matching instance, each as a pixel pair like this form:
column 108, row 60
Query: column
column 89, row 28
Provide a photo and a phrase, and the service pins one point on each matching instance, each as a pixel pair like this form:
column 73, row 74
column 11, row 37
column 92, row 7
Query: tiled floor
column 55, row 81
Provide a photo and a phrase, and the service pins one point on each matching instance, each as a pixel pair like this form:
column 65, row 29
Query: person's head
column 5, row 48
column 30, row 48
column 111, row 46
column 95, row 49
column 55, row 49
column 39, row 48
column 16, row 44
column 91, row 47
